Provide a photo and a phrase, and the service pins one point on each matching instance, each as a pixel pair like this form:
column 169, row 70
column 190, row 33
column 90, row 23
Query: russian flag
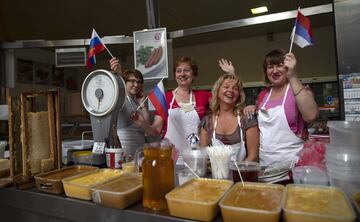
column 95, row 47
column 158, row 99
column 302, row 30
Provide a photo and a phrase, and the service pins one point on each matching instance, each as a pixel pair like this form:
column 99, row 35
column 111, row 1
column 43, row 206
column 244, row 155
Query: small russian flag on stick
column 96, row 46
column 158, row 99
column 302, row 33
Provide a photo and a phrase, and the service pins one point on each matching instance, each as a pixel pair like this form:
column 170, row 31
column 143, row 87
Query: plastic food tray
column 197, row 199
column 51, row 181
column 305, row 203
column 252, row 202
column 80, row 186
column 120, row 192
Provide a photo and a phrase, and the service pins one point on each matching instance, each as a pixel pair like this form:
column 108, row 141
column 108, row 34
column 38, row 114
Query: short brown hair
column 132, row 72
column 274, row 57
column 189, row 61
column 240, row 103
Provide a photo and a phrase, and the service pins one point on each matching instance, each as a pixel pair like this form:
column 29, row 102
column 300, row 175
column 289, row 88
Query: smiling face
column 133, row 81
column 184, row 74
column 229, row 92
column 274, row 69
column 276, row 74
column 133, row 85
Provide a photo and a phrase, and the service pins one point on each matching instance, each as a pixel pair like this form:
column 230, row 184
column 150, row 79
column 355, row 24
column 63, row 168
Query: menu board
column 150, row 53
column 351, row 87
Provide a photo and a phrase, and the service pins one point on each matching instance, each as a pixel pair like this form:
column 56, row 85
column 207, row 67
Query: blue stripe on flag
column 301, row 31
column 161, row 97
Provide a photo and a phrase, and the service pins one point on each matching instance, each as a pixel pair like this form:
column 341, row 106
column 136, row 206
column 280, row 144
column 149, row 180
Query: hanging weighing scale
column 102, row 95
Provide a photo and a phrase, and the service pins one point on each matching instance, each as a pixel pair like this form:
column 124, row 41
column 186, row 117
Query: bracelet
column 299, row 91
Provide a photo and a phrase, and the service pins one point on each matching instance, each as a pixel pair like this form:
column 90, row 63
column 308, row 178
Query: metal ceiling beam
column 153, row 13
column 316, row 10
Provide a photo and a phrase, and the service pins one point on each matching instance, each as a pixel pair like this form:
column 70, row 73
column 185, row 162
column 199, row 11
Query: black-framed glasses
column 133, row 81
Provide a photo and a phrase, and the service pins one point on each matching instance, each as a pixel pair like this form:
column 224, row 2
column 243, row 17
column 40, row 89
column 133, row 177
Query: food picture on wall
column 24, row 71
column 42, row 73
column 71, row 79
column 150, row 49
column 58, row 76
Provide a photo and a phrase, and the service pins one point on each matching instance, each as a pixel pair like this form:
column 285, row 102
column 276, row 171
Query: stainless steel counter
column 34, row 206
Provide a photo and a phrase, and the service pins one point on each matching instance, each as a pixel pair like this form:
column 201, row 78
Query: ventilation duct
column 70, row 57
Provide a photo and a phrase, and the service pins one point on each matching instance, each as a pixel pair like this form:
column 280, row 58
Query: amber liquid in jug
column 158, row 175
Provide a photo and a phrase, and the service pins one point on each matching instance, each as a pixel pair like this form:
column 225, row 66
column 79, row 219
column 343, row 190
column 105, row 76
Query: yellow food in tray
column 252, row 202
column 197, row 199
column 201, row 190
column 120, row 192
column 315, row 203
column 254, row 197
column 80, row 186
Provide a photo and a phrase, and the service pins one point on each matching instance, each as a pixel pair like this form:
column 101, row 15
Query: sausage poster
column 150, row 53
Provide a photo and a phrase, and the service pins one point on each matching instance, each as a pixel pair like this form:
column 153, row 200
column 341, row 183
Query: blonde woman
column 227, row 124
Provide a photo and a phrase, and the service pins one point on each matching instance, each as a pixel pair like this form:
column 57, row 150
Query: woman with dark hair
column 285, row 107
column 131, row 136
column 227, row 123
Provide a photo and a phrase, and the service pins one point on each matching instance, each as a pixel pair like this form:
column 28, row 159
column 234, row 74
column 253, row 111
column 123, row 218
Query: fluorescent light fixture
column 259, row 10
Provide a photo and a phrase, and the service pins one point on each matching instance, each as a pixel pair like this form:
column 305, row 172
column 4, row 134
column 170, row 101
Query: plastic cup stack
column 343, row 155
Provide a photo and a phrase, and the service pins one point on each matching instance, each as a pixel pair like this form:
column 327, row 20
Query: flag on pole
column 95, row 47
column 158, row 99
column 302, row 33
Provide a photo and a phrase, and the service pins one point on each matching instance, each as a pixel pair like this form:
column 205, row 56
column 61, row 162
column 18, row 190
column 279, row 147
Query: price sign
column 98, row 148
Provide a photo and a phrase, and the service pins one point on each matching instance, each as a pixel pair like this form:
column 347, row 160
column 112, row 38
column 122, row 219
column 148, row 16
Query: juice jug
column 158, row 174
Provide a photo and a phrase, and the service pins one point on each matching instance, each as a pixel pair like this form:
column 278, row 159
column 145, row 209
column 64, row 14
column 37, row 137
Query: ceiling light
column 259, row 10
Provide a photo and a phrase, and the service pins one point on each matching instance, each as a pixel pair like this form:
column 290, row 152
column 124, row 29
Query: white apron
column 238, row 151
column 131, row 136
column 278, row 143
column 182, row 122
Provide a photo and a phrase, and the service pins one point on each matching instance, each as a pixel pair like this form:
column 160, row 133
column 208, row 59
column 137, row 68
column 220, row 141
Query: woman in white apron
column 225, row 125
column 282, row 131
column 185, row 109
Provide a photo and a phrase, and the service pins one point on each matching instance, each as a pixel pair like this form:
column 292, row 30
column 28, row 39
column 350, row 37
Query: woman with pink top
column 284, row 109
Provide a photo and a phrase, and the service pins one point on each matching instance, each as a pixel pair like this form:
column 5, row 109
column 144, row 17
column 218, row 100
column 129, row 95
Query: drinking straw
column 193, row 172
column 242, row 181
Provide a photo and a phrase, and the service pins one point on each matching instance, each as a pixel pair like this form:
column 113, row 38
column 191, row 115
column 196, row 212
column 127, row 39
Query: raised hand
column 290, row 64
column 226, row 66
column 115, row 65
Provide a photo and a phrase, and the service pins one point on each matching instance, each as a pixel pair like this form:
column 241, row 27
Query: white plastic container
column 183, row 176
column 349, row 184
column 310, row 175
column 344, row 134
column 197, row 160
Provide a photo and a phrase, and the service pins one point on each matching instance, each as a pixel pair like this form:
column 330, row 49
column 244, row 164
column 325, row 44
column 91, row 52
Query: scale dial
column 100, row 92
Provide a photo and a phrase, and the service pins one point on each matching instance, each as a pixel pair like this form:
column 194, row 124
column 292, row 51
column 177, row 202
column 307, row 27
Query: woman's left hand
column 227, row 66
column 290, row 64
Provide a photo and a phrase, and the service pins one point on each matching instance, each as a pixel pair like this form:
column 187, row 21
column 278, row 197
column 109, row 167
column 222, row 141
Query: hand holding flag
column 158, row 99
column 96, row 46
column 302, row 33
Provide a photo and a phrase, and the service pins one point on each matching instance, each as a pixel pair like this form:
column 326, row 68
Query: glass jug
column 158, row 174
